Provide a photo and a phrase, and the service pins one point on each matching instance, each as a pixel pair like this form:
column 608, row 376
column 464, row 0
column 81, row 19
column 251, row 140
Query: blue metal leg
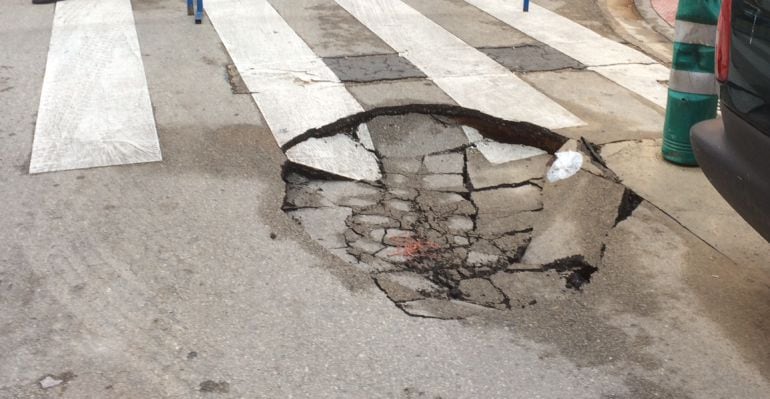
column 190, row 10
column 199, row 14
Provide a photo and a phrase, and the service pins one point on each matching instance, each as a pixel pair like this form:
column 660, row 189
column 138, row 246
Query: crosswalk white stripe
column 601, row 54
column 95, row 106
column 471, row 78
column 642, row 79
column 292, row 86
column 563, row 34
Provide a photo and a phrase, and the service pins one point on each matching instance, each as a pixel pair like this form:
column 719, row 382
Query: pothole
column 450, row 211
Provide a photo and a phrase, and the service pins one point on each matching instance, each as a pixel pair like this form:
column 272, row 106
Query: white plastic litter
column 566, row 165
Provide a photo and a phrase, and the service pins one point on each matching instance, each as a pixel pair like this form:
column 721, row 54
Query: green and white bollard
column 692, row 92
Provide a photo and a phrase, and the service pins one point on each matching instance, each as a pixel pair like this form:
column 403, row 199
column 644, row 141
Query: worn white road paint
column 623, row 65
column 292, row 86
column 497, row 153
column 647, row 81
column 365, row 137
column 339, row 154
column 472, row 134
column 471, row 78
column 95, row 107
column 570, row 38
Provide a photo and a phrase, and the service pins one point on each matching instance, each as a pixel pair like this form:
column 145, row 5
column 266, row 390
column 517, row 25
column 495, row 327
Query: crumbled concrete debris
column 480, row 291
column 478, row 258
column 459, row 224
column 399, row 205
column 401, row 165
column 578, row 213
column 325, row 225
column 453, row 182
column 507, row 200
column 338, row 155
column 392, row 255
column 304, row 196
column 444, row 163
column 396, row 237
column 460, row 240
column 413, row 135
column 524, row 287
column 442, row 309
column 366, row 246
column 377, row 234
column 484, row 174
column 404, row 193
column 497, row 153
column 407, row 286
column 373, row 220
column 396, row 180
column 450, row 231
column 339, row 192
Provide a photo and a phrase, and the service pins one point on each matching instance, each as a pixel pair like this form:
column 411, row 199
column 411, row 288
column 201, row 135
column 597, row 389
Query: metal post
column 692, row 92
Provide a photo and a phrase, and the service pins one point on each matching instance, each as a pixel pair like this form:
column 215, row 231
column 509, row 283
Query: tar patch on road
column 459, row 217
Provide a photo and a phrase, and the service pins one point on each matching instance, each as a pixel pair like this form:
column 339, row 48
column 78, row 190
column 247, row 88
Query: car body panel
column 734, row 152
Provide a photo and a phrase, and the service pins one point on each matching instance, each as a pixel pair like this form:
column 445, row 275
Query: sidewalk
column 666, row 10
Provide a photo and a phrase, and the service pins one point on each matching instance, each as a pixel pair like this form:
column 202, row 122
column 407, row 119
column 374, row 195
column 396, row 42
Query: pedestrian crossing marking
column 467, row 75
column 95, row 106
column 292, row 86
column 619, row 63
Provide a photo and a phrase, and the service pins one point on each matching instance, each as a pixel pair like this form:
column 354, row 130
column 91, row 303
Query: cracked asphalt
column 187, row 279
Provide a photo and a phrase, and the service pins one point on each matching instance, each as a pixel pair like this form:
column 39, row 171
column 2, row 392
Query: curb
column 658, row 24
column 629, row 23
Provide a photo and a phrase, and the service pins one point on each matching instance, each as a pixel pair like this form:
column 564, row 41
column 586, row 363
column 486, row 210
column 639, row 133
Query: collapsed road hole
column 449, row 210
column 575, row 269
column 628, row 205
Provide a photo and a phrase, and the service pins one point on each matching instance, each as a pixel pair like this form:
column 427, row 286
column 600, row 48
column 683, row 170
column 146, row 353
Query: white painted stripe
column 621, row 64
column 695, row 33
column 471, row 78
column 570, row 38
column 292, row 86
column 694, row 82
column 95, row 107
column 647, row 81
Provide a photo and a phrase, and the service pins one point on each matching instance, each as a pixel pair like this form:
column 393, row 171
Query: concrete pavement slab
column 338, row 155
column 578, row 212
column 686, row 195
column 484, row 174
column 610, row 112
column 413, row 135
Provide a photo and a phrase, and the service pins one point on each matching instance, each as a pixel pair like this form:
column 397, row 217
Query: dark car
column 734, row 152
